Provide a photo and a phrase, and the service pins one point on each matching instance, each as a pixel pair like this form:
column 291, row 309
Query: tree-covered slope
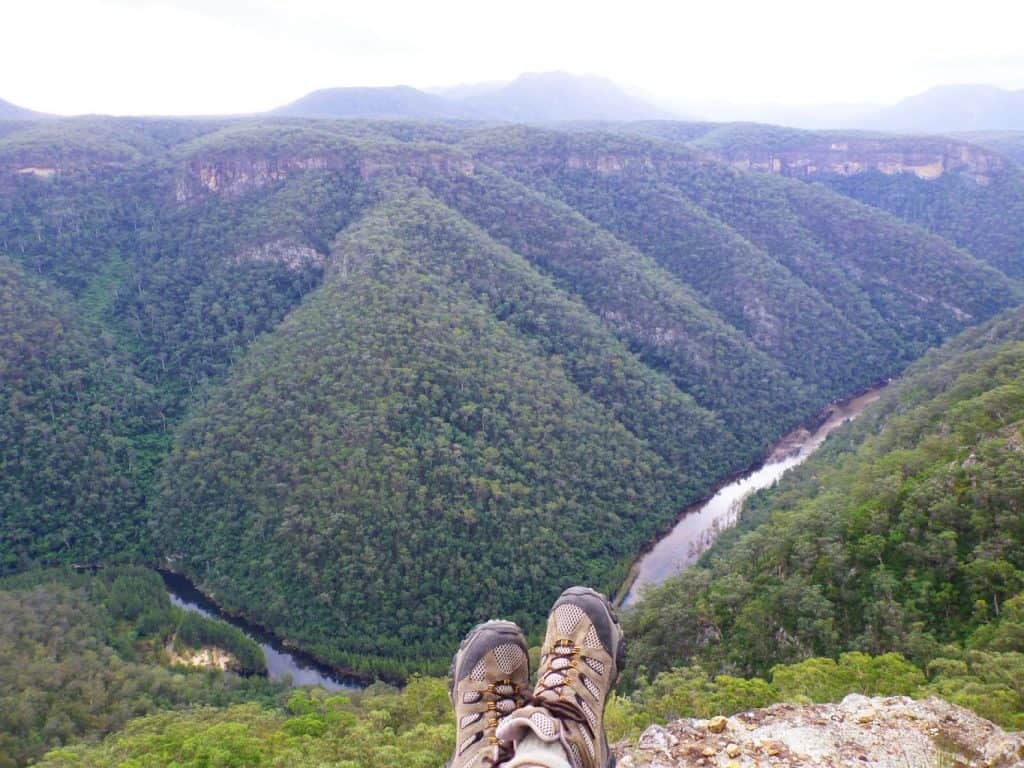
column 74, row 420
column 987, row 219
column 1007, row 143
column 903, row 534
column 397, row 461
column 971, row 195
column 82, row 653
column 390, row 356
column 766, row 253
column 661, row 318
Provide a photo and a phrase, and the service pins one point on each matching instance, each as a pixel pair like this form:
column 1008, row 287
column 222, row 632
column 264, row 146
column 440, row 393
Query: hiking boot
column 581, row 660
column 489, row 678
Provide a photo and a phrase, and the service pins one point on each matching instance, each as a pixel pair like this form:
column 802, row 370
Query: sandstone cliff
column 820, row 154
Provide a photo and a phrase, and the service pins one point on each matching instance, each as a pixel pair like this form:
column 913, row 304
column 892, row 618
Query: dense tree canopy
column 357, row 379
column 81, row 654
column 902, row 534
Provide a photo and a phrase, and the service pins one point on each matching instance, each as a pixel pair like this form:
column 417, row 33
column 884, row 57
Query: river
column 699, row 525
column 696, row 530
column 282, row 663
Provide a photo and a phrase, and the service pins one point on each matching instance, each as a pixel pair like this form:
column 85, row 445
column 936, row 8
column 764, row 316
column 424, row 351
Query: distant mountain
column 953, row 108
column 807, row 116
column 389, row 103
column 10, row 111
column 554, row 96
column 468, row 90
column 942, row 109
column 531, row 98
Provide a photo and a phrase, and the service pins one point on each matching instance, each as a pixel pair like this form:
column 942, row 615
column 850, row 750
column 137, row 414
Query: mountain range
column 559, row 97
column 9, row 111
column 552, row 97
column 534, row 97
column 949, row 108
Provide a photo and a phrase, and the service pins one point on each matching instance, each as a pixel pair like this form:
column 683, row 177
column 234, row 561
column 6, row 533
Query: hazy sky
column 224, row 56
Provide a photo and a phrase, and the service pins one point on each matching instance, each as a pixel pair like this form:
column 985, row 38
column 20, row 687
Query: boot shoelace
column 501, row 699
column 564, row 657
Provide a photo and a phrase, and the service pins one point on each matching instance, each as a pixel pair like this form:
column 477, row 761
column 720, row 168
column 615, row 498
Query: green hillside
column 1008, row 143
column 77, row 432
column 986, row 219
column 81, row 654
column 488, row 448
column 902, row 534
column 971, row 194
column 765, row 253
column 368, row 383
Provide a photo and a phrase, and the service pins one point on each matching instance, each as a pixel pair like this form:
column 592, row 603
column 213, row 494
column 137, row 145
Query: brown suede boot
column 581, row 661
column 489, row 679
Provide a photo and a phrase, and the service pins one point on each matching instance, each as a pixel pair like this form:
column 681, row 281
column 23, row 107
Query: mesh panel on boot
column 589, row 713
column 543, row 724
column 467, row 743
column 479, row 671
column 567, row 616
column 508, row 657
column 592, row 687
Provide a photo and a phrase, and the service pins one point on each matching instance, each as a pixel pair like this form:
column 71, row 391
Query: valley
column 367, row 383
column 303, row 349
column 700, row 525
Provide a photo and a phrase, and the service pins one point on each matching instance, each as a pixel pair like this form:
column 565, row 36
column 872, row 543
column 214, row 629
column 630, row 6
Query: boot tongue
column 528, row 720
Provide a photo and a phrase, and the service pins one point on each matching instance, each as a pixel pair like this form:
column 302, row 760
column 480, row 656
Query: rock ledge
column 895, row 732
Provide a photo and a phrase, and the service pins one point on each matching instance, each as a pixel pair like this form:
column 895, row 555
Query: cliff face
column 234, row 175
column 926, row 159
column 895, row 732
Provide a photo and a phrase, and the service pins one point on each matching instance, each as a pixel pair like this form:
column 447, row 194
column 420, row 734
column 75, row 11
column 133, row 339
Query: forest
column 82, row 653
column 903, row 534
column 369, row 383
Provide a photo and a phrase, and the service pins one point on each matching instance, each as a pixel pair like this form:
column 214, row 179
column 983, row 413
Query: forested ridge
column 368, row 383
column 968, row 189
column 903, row 534
column 82, row 653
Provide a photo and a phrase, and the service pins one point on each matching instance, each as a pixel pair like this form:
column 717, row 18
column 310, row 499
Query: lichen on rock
column 894, row 732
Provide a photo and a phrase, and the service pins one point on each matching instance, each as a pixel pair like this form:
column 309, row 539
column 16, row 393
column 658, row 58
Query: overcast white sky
column 229, row 56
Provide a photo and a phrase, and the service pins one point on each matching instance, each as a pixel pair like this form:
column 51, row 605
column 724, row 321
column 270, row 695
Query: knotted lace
column 553, row 679
column 501, row 699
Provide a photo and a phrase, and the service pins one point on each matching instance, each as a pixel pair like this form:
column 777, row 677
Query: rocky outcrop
column 234, row 175
column 895, row 732
column 927, row 159
column 294, row 256
column 33, row 170
column 209, row 657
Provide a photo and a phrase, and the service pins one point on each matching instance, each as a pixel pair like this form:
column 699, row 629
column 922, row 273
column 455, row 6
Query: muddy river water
column 700, row 524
